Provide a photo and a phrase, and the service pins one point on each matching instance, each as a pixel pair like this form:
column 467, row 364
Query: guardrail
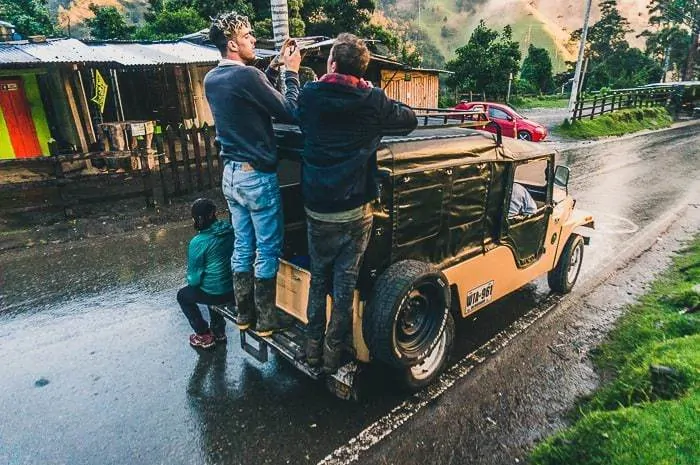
column 599, row 104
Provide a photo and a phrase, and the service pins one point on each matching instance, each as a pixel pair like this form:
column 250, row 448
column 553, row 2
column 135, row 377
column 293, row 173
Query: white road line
column 403, row 412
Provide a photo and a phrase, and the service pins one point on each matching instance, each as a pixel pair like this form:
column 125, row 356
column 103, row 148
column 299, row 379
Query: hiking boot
column 243, row 290
column 203, row 341
column 331, row 359
column 266, row 305
column 314, row 352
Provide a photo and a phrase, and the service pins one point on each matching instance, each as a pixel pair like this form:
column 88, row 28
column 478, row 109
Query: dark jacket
column 209, row 259
column 343, row 126
column 242, row 101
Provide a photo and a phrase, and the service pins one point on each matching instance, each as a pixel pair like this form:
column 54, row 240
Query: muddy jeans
column 336, row 251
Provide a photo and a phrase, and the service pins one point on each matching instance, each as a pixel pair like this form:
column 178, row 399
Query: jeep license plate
column 479, row 296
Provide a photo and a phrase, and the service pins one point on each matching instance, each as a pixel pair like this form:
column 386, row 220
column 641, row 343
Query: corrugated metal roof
column 136, row 54
column 10, row 54
column 62, row 51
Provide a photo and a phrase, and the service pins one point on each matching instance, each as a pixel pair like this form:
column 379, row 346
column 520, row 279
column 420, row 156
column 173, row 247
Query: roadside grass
column 544, row 101
column 648, row 411
column 616, row 123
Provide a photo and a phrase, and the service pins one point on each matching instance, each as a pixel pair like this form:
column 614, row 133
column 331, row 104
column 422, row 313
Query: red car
column 512, row 124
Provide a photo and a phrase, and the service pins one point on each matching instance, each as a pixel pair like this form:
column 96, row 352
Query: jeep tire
column 563, row 277
column 406, row 314
column 420, row 375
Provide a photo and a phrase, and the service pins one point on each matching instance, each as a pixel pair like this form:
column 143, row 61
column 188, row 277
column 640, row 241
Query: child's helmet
column 203, row 213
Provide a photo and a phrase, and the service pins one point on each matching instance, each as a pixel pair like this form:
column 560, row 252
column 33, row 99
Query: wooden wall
column 420, row 91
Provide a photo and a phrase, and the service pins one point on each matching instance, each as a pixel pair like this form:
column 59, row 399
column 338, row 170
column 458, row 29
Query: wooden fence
column 183, row 161
column 601, row 103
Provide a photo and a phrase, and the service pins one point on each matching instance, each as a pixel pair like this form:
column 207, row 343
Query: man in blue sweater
column 343, row 119
column 243, row 102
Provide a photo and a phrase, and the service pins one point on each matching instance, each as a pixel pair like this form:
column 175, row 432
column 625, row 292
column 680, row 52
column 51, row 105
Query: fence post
column 160, row 156
column 595, row 100
column 207, row 154
column 172, row 157
column 194, row 134
column 142, row 154
column 59, row 175
column 184, row 148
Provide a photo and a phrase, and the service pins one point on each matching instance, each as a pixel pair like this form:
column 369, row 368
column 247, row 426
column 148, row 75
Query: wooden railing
column 600, row 103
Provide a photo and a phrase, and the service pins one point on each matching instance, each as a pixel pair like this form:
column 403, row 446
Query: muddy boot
column 331, row 358
column 243, row 290
column 314, row 352
column 265, row 303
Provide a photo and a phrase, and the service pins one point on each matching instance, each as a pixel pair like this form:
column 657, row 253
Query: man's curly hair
column 225, row 27
column 350, row 54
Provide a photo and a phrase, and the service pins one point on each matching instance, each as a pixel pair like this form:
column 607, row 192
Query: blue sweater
column 243, row 102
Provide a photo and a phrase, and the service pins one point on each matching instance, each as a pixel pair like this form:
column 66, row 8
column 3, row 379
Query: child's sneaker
column 220, row 338
column 203, row 341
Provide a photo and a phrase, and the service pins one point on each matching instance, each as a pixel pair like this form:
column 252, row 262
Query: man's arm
column 529, row 204
column 396, row 118
column 282, row 107
column 195, row 261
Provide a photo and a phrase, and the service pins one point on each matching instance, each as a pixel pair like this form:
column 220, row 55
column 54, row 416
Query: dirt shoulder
column 522, row 393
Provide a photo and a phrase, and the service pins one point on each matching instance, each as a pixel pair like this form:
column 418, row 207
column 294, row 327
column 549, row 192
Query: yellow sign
column 100, row 96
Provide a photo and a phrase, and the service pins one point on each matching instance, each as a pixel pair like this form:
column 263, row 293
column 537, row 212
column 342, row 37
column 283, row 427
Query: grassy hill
column 544, row 23
column 447, row 23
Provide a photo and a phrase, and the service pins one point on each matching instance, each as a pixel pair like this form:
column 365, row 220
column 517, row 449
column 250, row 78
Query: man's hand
column 290, row 55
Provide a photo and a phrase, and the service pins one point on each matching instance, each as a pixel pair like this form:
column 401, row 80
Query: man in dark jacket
column 208, row 274
column 243, row 102
column 343, row 119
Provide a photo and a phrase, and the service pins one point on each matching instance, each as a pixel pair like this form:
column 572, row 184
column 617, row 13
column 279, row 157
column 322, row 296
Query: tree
column 30, row 17
column 612, row 63
column 679, row 15
column 108, row 23
column 537, row 69
column 167, row 24
column 671, row 40
column 608, row 34
column 331, row 17
column 484, row 63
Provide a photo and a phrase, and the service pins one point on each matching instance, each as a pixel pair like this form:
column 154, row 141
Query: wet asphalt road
column 96, row 368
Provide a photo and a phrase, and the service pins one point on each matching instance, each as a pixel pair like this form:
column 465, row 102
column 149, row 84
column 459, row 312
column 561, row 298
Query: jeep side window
column 533, row 177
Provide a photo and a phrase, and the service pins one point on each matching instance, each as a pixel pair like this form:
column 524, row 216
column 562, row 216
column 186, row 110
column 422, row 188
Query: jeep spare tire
column 406, row 313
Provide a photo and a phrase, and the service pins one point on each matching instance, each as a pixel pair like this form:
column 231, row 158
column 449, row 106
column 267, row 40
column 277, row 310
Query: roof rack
column 447, row 117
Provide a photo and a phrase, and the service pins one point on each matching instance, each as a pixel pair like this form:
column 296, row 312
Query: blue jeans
column 256, row 214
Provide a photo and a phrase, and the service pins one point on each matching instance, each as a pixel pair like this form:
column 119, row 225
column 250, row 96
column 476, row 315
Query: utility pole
column 280, row 27
column 579, row 62
column 510, row 81
column 419, row 18
column 667, row 62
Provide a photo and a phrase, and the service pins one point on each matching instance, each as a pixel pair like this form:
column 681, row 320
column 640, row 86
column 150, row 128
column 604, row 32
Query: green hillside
column 448, row 28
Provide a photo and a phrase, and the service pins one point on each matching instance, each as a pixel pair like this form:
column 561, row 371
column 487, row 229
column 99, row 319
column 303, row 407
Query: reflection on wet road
column 96, row 367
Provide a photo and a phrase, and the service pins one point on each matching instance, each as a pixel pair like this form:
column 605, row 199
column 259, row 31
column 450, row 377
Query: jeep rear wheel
column 407, row 313
column 563, row 277
column 422, row 374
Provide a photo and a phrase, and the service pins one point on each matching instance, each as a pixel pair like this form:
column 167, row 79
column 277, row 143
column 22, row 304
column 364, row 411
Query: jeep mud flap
column 290, row 345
